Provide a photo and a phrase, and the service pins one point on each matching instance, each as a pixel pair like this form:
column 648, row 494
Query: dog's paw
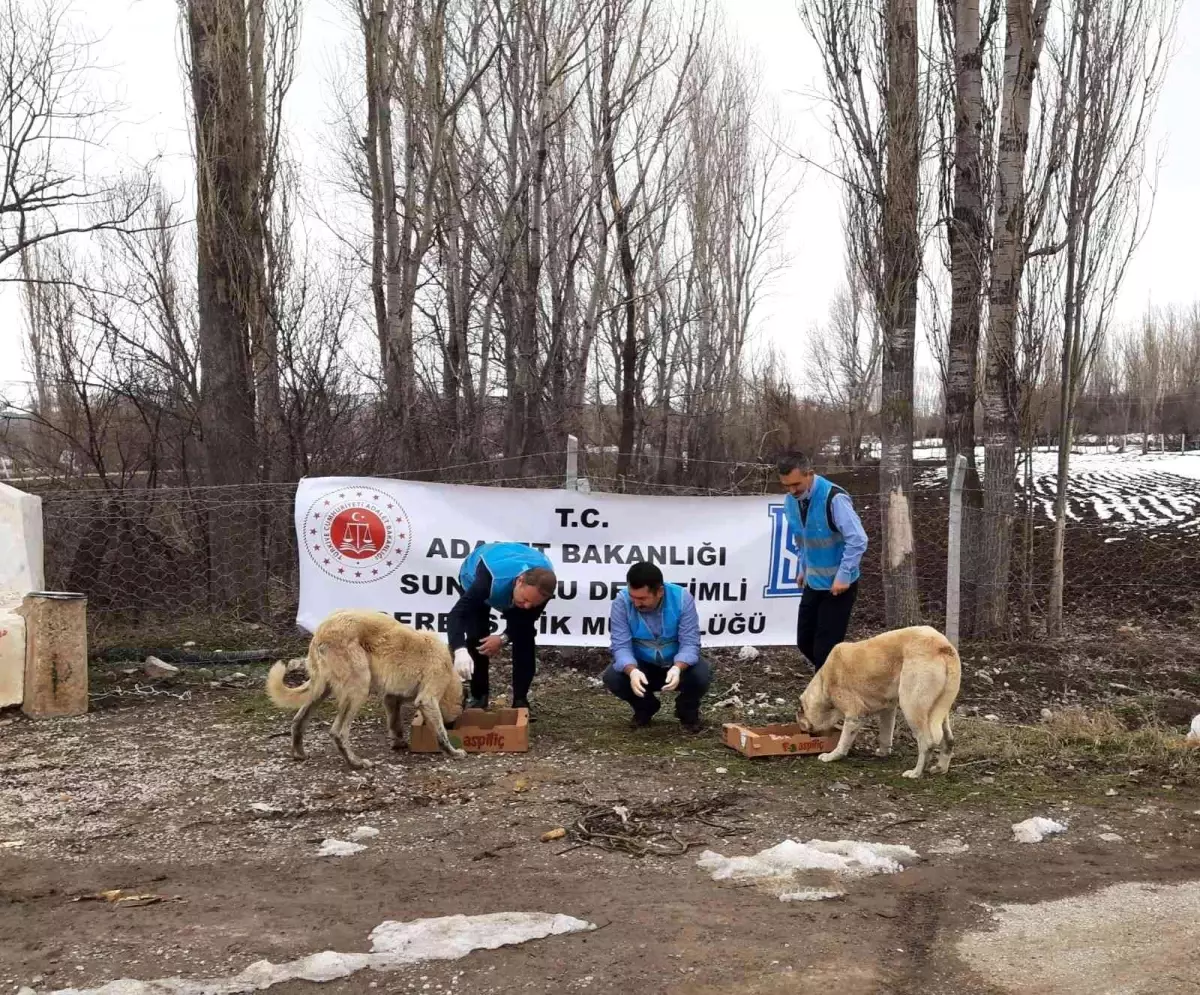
column 827, row 757
column 458, row 754
column 363, row 764
column 399, row 745
column 912, row 774
column 299, row 755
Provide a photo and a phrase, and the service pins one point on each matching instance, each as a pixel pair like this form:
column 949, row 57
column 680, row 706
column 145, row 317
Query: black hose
column 121, row 654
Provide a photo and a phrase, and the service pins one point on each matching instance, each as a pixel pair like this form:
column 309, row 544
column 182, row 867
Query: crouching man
column 655, row 639
column 517, row 581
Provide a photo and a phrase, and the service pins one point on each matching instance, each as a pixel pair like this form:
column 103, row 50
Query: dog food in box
column 775, row 740
column 505, row 730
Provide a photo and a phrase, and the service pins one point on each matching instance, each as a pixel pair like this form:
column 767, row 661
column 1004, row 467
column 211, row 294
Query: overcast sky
column 139, row 47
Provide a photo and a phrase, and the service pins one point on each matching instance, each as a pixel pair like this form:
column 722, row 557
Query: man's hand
column 839, row 587
column 672, row 681
column 491, row 646
column 464, row 666
column 637, row 681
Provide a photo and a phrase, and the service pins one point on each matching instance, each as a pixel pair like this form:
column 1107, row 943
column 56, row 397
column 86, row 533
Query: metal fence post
column 954, row 549
column 572, row 481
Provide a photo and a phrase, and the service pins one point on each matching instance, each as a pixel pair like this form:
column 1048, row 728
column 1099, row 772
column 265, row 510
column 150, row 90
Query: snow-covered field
column 1127, row 490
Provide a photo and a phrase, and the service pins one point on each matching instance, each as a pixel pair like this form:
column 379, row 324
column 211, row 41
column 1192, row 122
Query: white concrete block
column 21, row 559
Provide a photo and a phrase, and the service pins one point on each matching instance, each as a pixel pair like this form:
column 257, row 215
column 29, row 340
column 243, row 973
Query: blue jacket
column 505, row 561
column 823, row 549
column 659, row 638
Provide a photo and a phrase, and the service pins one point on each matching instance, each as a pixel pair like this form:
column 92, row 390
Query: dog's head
column 817, row 715
column 451, row 702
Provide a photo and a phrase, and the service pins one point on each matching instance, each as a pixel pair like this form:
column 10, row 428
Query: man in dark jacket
column 517, row 581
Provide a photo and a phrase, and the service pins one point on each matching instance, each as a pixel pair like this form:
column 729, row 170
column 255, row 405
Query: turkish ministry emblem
column 357, row 535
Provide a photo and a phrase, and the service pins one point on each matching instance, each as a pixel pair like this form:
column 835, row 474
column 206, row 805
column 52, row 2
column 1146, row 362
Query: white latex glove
column 464, row 666
column 672, row 681
column 637, row 681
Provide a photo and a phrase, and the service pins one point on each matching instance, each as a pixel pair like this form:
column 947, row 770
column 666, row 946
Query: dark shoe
column 481, row 703
column 642, row 716
column 691, row 723
column 523, row 703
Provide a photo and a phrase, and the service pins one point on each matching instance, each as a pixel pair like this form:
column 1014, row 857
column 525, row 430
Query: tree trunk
column 226, row 187
column 1070, row 348
column 898, row 313
column 967, row 239
column 1025, row 31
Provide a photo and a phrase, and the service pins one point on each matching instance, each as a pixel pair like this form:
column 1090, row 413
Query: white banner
column 397, row 546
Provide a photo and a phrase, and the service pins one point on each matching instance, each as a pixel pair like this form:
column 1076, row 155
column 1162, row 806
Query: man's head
column 795, row 473
column 534, row 588
column 644, row 581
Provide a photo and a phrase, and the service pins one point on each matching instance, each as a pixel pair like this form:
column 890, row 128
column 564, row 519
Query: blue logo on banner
column 783, row 577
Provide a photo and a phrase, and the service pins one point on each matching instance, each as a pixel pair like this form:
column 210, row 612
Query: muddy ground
column 156, row 791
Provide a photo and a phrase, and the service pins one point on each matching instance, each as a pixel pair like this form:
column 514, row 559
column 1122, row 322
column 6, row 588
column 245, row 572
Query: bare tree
column 49, row 117
column 224, row 58
column 966, row 177
column 1025, row 26
column 871, row 71
column 1111, row 68
column 845, row 362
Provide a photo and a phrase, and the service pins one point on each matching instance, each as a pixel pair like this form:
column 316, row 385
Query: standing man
column 516, row 580
column 655, row 638
column 826, row 533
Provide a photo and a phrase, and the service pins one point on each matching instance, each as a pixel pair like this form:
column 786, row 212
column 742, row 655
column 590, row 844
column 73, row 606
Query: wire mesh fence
column 219, row 565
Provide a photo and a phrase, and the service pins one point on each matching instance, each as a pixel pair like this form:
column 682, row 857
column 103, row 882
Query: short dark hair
column 543, row 579
column 643, row 575
column 790, row 462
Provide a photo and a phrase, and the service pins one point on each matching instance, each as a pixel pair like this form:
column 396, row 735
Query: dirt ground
column 183, row 789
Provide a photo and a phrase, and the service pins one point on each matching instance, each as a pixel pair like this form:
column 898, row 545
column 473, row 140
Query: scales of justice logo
column 357, row 535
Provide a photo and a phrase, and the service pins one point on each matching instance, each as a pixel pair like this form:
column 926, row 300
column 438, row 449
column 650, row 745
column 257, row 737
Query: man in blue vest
column 654, row 632
column 829, row 539
column 517, row 581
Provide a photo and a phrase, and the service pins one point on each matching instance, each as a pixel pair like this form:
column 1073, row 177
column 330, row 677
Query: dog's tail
column 939, row 714
column 283, row 696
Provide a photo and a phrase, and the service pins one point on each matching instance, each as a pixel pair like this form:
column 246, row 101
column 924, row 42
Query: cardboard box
column 775, row 740
column 505, row 730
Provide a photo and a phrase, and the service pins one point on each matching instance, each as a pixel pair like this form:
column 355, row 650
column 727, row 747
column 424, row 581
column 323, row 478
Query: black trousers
column 521, row 635
column 693, row 684
column 822, row 621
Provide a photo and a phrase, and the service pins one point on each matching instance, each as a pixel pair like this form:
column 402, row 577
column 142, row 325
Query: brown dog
column 353, row 653
column 916, row 668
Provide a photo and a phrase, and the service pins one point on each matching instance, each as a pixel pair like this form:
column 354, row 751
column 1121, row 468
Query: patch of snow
column 338, row 848
column 810, row 895
column 393, row 945
column 1036, row 829
column 781, row 867
column 1112, row 838
column 747, row 653
column 364, row 833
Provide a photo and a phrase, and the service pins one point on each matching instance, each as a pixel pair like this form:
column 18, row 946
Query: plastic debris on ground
column 393, row 945
column 1036, row 829
column 809, row 871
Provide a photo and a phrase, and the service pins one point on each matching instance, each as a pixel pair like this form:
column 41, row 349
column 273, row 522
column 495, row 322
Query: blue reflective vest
column 506, row 561
column 817, row 535
column 647, row 647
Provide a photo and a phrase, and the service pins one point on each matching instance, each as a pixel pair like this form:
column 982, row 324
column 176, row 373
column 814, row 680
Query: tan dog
column 916, row 668
column 353, row 653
